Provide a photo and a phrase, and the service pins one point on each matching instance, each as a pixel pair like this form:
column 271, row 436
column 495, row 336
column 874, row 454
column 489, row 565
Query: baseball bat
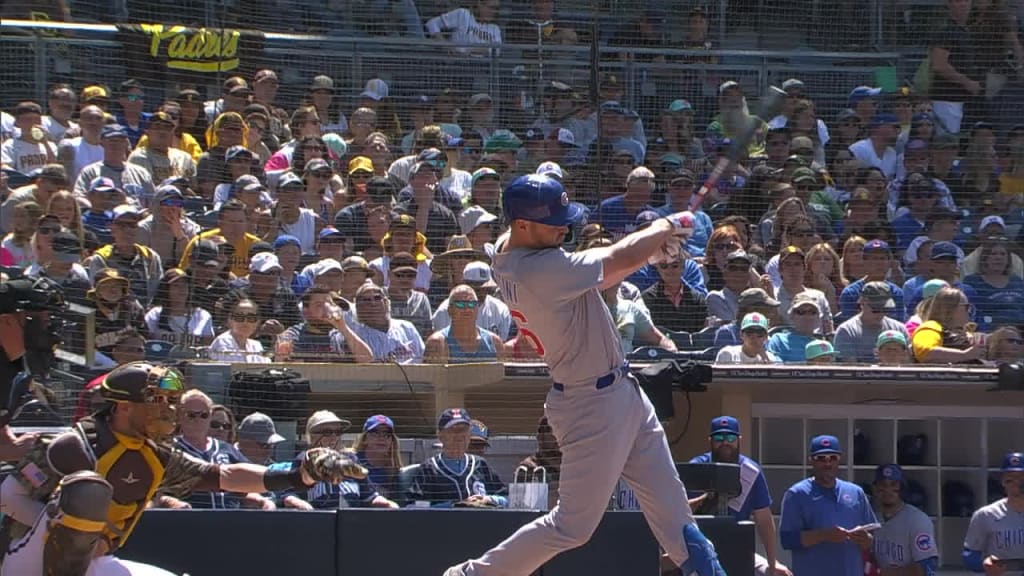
column 771, row 105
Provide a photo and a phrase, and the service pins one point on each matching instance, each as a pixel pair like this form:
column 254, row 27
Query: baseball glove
column 672, row 249
column 474, row 503
column 331, row 466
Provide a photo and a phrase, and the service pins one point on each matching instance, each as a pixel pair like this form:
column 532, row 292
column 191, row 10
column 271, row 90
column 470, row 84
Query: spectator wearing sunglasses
column 492, row 314
column 257, row 436
column 804, row 324
column 432, row 171
column 998, row 293
column 166, row 229
column 618, row 214
column 856, row 339
column 751, row 350
column 463, row 341
column 402, row 237
column 406, row 302
column 389, row 339
column 1005, row 345
column 673, row 304
column 222, row 424
column 378, row 450
column 194, row 413
column 944, row 336
column 323, row 335
column 825, row 519
column 236, row 343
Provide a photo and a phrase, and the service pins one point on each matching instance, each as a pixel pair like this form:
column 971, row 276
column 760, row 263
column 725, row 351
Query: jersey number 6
column 521, row 323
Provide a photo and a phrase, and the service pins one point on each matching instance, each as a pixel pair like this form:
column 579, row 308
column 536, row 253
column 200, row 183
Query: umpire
column 905, row 544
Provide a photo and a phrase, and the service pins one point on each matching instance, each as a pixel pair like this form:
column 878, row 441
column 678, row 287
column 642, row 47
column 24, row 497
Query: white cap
column 376, row 89
column 551, row 169
column 478, row 273
column 638, row 173
column 264, row 262
column 321, row 417
column 565, row 136
column 474, row 216
column 126, row 210
column 988, row 220
column 326, row 265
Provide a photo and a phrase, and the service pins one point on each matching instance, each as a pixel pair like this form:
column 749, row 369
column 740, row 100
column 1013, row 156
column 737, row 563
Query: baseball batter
column 905, row 544
column 605, row 425
column 994, row 543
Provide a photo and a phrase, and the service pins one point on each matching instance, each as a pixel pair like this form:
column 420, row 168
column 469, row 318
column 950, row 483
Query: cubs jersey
column 906, row 538
column 997, row 530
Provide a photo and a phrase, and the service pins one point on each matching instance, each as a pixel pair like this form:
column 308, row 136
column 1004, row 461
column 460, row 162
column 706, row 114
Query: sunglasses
column 360, row 175
column 470, row 150
column 193, row 415
column 259, row 127
column 805, row 312
column 133, row 98
column 829, row 458
column 405, row 274
column 724, row 437
column 737, row 268
column 217, row 425
column 669, row 265
column 245, row 317
column 323, row 174
column 328, row 432
column 385, row 433
column 465, row 304
column 47, row 230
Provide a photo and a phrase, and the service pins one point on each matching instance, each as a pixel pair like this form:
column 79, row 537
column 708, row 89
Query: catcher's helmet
column 541, row 199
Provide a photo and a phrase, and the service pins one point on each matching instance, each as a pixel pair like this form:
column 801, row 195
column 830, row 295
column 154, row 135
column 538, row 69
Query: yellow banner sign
column 195, row 49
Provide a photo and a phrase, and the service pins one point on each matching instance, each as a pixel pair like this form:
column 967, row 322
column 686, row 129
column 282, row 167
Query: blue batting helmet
column 538, row 198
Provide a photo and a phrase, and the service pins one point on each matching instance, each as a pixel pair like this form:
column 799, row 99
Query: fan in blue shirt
column 618, row 214
column 826, row 522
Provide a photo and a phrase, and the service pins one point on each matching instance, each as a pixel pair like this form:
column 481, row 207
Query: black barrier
column 395, row 543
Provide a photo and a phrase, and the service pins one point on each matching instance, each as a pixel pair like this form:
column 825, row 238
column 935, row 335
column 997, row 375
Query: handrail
column 393, row 41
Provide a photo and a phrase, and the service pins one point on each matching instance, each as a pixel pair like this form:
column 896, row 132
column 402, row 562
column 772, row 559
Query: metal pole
column 595, row 78
column 540, row 63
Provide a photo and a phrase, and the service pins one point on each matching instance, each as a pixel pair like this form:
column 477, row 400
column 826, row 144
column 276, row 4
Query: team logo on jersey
column 923, row 542
column 565, row 199
column 847, row 499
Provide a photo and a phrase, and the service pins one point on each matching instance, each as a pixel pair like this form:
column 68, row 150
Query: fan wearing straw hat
column 447, row 267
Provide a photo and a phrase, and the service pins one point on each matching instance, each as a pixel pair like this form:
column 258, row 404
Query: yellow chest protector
column 135, row 472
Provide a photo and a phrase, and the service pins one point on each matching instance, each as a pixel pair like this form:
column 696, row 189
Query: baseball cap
column 316, row 164
column 639, row 173
column 804, row 298
column 889, row 472
column 876, row 246
column 990, row 220
column 945, row 142
column 286, row 240
column 728, row 84
column 478, row 274
column 944, row 251
column 680, row 106
column 168, row 195
column 738, row 256
column 671, row 160
column 681, row 174
column 551, row 169
column 878, row 295
column 380, row 190
column 126, row 211
column 355, row 263
column 478, row 431
column 888, row 336
column 94, row 92
column 375, row 89
column 258, row 427
column 565, row 137
column 932, row 287
column 289, row 179
column 66, row 247
column 188, row 95
column 206, row 253
column 261, row 246
column 403, row 261
column 113, row 131
column 1013, row 462
column 402, row 221
column 485, row 173
column 321, row 82
column 755, row 297
column 474, row 216
column 793, row 84
column 265, row 74
column 378, row 420
column 790, row 251
column 452, row 417
column 818, row 348
column 861, row 195
column 917, row 145
column 540, row 199
column 102, row 184
column 324, row 266
column 804, row 175
column 329, row 231
column 502, row 141
column 724, row 424
column 846, row 115
column 825, row 444
column 645, row 217
column 264, row 262
column 884, row 119
column 754, row 321
column 321, row 417
column 237, row 151
column 360, row 164
column 862, row 92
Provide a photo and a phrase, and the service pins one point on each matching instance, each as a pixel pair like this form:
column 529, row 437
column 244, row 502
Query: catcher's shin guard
column 703, row 560
column 78, row 517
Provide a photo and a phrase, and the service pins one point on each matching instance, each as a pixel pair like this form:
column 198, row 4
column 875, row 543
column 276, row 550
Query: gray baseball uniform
column 995, row 530
column 906, row 538
column 605, row 425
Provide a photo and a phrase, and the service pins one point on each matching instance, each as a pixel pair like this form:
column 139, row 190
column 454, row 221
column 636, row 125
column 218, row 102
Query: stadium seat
column 703, row 339
column 157, row 350
column 682, row 339
column 405, row 476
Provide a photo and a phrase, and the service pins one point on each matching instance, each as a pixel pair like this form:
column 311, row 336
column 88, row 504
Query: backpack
column 280, row 393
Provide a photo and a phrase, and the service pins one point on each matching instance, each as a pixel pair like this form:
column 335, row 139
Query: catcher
column 81, row 493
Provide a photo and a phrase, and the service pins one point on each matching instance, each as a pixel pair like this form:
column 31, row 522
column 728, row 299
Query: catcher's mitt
column 474, row 504
column 331, row 466
column 672, row 249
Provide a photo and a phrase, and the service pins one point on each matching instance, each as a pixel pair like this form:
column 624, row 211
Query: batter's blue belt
column 602, row 382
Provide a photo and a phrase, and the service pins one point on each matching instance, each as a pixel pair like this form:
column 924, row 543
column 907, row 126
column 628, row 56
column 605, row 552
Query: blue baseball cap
column 943, row 250
column 113, row 131
column 861, row 92
column 884, row 119
column 286, row 240
column 889, row 472
column 1013, row 462
column 541, row 199
column 478, row 431
column 452, row 417
column 825, row 444
column 725, row 424
column 877, row 246
column 378, row 420
column 646, row 217
column 329, row 231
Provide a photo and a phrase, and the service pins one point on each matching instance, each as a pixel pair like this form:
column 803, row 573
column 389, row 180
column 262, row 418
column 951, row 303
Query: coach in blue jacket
column 825, row 520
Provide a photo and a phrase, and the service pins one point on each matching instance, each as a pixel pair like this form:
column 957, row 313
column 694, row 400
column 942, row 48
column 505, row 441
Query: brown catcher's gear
column 78, row 519
column 331, row 466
